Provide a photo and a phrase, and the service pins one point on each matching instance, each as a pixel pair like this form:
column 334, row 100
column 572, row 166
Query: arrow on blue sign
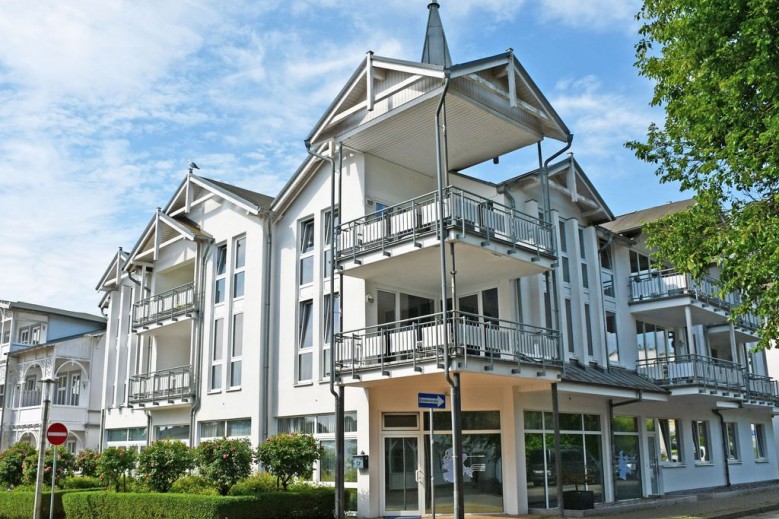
column 432, row 401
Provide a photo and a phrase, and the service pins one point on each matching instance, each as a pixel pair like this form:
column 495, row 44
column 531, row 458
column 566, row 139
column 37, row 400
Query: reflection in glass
column 401, row 491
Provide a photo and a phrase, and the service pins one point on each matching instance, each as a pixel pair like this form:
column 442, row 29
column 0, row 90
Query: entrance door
column 654, row 465
column 403, row 478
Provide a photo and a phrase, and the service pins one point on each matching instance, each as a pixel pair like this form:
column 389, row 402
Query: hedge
column 20, row 504
column 315, row 504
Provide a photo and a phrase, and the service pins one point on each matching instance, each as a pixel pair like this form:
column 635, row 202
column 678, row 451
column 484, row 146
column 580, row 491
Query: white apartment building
column 384, row 260
column 39, row 344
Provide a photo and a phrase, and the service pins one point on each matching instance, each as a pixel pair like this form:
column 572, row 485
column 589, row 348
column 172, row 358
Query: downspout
column 198, row 337
column 264, row 395
column 725, row 456
column 612, row 405
column 337, row 395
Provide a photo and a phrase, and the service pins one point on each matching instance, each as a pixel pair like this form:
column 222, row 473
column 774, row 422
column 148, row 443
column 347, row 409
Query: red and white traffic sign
column 57, row 433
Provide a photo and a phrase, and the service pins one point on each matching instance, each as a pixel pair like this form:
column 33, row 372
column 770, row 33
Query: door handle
column 420, row 475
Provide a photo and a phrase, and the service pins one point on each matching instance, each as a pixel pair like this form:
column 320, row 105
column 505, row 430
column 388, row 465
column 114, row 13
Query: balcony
column 162, row 387
column 412, row 225
column 168, row 305
column 484, row 342
column 666, row 284
column 709, row 375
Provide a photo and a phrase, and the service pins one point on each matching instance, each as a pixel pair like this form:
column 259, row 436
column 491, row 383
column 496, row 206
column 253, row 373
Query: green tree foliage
column 65, row 465
column 224, row 461
column 86, row 462
column 114, row 465
column 163, row 462
column 12, row 463
column 715, row 68
column 288, row 455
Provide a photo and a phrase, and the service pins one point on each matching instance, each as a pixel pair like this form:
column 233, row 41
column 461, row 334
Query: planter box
column 578, row 499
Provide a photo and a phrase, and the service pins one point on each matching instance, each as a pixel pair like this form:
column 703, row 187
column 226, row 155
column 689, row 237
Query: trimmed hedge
column 21, row 504
column 316, row 504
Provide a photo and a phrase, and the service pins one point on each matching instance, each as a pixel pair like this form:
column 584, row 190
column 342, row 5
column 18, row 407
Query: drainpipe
column 725, row 454
column 612, row 405
column 204, row 248
column 264, row 394
column 337, row 395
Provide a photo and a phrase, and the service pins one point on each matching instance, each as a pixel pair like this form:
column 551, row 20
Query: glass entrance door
column 403, row 478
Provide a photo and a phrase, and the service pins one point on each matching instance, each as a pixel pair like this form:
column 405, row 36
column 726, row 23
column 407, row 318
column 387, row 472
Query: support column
column 690, row 338
column 733, row 346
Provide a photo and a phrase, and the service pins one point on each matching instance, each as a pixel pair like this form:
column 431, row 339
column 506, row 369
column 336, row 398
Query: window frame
column 701, row 438
column 305, row 340
column 677, row 435
column 236, row 351
column 239, row 267
column 734, row 451
column 217, row 355
column 220, row 274
column 306, row 250
column 758, row 442
column 327, row 310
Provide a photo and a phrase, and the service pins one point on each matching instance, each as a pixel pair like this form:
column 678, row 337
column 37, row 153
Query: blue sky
column 103, row 102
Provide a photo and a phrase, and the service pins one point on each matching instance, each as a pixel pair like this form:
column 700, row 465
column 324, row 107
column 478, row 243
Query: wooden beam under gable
column 379, row 97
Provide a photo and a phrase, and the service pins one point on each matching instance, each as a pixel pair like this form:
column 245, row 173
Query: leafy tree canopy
column 715, row 68
column 288, row 455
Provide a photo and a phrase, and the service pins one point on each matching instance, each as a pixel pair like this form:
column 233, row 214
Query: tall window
column 61, row 394
column 306, row 252
column 327, row 254
column 329, row 312
column 700, row 438
column 221, row 270
column 654, row 341
column 606, row 268
column 236, row 351
column 731, row 432
column 569, row 325
column 612, row 346
column 583, row 259
column 305, row 340
column 240, row 266
column 74, row 391
column 639, row 263
column 670, row 440
column 758, row 441
column 588, row 326
column 564, row 263
column 216, row 354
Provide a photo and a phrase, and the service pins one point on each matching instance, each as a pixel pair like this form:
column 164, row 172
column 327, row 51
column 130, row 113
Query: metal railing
column 165, row 305
column 421, row 339
column 470, row 213
column 163, row 385
column 660, row 284
column 29, row 398
column 709, row 373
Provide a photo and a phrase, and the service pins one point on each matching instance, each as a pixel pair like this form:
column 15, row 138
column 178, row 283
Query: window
column 653, row 341
column 24, row 336
column 564, row 253
column 588, row 326
column 569, row 325
column 306, row 249
column 36, row 335
column 236, row 351
column 700, row 438
column 221, row 270
column 239, row 428
column 216, row 355
column 133, row 434
column 612, row 346
column 61, row 391
column 731, row 434
column 240, row 266
column 327, row 254
column 670, row 440
column 758, row 441
column 329, row 312
column 2, row 395
column 606, row 268
column 305, row 340
column 75, row 388
column 583, row 259
column 639, row 263
column 172, row 432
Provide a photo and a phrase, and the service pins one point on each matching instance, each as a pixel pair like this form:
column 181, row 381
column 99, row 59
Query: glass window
column 305, row 340
column 605, row 254
column 401, row 421
column 238, row 284
column 670, row 440
column 625, row 424
column 329, row 313
column 731, row 431
column 306, row 252
column 221, row 270
column 239, row 427
column 171, row 432
column 569, row 325
column 2, row 395
column 588, row 326
column 237, row 351
column 240, row 252
column 612, row 346
column 307, row 236
column 137, row 434
column 758, row 441
column 214, row 429
column 350, row 422
column 116, row 435
column 700, row 438
column 533, row 420
column 216, row 354
column 328, row 460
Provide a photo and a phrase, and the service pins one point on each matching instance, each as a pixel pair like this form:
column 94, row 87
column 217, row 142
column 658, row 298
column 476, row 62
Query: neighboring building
column 225, row 318
column 41, row 343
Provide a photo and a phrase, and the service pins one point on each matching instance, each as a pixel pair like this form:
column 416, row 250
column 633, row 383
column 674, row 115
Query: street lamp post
column 45, row 404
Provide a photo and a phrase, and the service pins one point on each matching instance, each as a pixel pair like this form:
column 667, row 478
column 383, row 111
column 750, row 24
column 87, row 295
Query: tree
column 65, row 465
column 86, row 462
column 224, row 462
column 12, row 462
column 715, row 68
column 115, row 463
column 163, row 462
column 288, row 455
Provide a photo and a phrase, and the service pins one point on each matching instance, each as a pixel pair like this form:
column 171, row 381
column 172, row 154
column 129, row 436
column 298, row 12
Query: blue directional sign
column 432, row 401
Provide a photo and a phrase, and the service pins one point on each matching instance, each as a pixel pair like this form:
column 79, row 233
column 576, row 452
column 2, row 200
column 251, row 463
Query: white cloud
column 615, row 15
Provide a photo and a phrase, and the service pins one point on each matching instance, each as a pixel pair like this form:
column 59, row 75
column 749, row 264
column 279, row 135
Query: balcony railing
column 421, row 339
column 661, row 284
column 708, row 373
column 29, row 398
column 161, row 386
column 166, row 305
column 417, row 218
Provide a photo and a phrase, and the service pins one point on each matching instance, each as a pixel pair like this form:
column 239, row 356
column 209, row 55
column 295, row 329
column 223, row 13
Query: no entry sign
column 57, row 433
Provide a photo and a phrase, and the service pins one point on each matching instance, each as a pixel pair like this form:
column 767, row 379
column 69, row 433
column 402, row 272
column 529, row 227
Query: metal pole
column 38, row 506
column 53, row 480
column 432, row 470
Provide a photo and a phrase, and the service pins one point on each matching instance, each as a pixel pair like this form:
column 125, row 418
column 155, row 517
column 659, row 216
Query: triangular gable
column 162, row 230
column 112, row 275
column 195, row 189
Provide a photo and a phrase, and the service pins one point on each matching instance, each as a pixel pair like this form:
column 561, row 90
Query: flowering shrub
column 288, row 455
column 114, row 464
column 224, row 462
column 65, row 465
column 12, row 463
column 86, row 462
column 163, row 462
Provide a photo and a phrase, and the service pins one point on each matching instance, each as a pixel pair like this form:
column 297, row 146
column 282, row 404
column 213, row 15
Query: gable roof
column 194, row 188
column 633, row 222
column 113, row 273
column 41, row 309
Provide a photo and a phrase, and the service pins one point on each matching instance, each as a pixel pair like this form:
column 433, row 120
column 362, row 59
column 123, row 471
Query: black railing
column 165, row 305
column 161, row 386
column 416, row 218
column 421, row 339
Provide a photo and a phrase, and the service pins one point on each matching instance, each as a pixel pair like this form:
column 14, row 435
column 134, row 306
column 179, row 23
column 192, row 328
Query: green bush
column 163, row 462
column 80, row 482
column 224, row 461
column 20, row 505
column 254, row 484
column 87, row 462
column 114, row 464
column 289, row 455
column 317, row 504
column 65, row 466
column 193, row 485
column 12, row 463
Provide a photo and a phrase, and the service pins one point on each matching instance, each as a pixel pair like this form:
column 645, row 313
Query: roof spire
column 436, row 50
